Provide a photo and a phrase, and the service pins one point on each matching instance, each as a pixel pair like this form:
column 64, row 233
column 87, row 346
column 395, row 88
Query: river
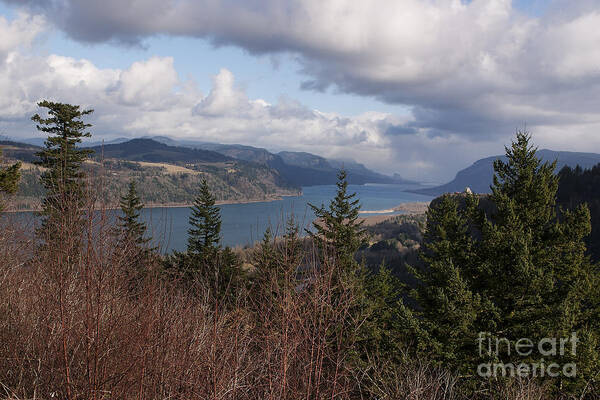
column 246, row 223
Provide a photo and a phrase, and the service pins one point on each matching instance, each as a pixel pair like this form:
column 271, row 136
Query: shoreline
column 413, row 207
column 410, row 208
column 174, row 205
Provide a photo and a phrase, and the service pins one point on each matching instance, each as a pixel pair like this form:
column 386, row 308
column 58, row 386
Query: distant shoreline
column 414, row 207
column 175, row 205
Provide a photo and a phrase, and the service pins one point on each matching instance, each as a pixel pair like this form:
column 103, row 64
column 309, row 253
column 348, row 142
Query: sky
column 422, row 88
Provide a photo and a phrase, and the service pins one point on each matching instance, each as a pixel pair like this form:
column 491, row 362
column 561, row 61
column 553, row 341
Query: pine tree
column 264, row 256
column 448, row 303
column 339, row 233
column 291, row 248
column 204, row 236
column 540, row 256
column 519, row 271
column 383, row 333
column 205, row 260
column 63, row 178
column 9, row 179
column 131, row 230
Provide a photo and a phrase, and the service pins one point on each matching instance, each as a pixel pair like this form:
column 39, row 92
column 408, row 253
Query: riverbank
column 268, row 199
column 409, row 208
column 414, row 207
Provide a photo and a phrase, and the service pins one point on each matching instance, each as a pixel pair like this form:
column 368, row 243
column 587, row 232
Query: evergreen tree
column 204, row 236
column 517, row 272
column 541, row 257
column 291, row 250
column 131, row 230
column 339, row 233
column 9, row 179
column 205, row 261
column 264, row 256
column 383, row 333
column 230, row 277
column 63, row 178
column 448, row 304
column 199, row 261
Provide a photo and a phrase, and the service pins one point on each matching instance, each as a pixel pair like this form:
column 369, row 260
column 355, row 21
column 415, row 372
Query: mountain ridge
column 478, row 176
column 297, row 168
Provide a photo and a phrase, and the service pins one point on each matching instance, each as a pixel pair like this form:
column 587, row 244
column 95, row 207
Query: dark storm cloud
column 466, row 68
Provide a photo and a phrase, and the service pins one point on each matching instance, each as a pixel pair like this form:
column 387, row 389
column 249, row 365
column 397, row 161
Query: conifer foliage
column 63, row 178
column 205, row 260
column 9, row 179
column 518, row 271
column 338, row 230
column 205, row 221
column 131, row 230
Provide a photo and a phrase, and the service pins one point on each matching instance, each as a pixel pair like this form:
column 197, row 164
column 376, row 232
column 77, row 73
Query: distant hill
column 297, row 168
column 166, row 175
column 152, row 151
column 19, row 151
column 478, row 176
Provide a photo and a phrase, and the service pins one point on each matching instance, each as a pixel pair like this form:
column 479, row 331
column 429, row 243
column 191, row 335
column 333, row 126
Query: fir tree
column 339, row 233
column 448, row 306
column 291, row 250
column 383, row 333
column 541, row 258
column 230, row 277
column 264, row 256
column 205, row 260
column 200, row 260
column 518, row 272
column 131, row 230
column 204, row 236
column 63, row 178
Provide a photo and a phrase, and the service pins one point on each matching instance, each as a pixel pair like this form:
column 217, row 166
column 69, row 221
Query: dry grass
column 79, row 321
column 169, row 168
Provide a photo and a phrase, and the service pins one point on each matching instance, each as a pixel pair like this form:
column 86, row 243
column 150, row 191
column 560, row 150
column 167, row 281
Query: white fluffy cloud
column 148, row 83
column 148, row 98
column 471, row 71
column 20, row 32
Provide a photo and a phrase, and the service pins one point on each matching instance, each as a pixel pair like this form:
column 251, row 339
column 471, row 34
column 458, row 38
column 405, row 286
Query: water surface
column 244, row 224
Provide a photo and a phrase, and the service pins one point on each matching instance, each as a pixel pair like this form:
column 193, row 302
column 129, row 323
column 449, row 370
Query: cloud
column 224, row 98
column 469, row 71
column 148, row 98
column 147, row 83
column 19, row 33
column 469, row 68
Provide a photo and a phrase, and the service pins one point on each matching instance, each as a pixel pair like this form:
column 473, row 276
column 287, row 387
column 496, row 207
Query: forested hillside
column 297, row 168
column 166, row 175
column 407, row 309
column 582, row 186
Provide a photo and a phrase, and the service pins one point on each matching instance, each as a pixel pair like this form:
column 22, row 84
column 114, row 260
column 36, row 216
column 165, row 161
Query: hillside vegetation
column 166, row 175
column 89, row 309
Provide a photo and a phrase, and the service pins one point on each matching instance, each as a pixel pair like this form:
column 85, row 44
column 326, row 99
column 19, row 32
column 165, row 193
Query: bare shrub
column 78, row 321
